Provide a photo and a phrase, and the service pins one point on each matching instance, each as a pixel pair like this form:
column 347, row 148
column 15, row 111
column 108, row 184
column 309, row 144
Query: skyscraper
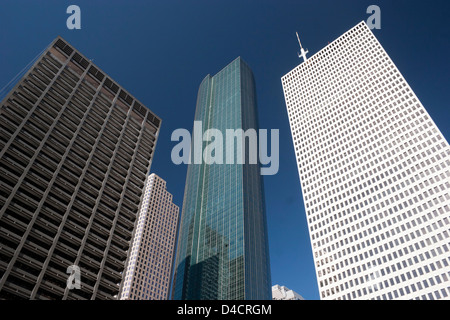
column 222, row 244
column 149, row 267
column 374, row 172
column 76, row 149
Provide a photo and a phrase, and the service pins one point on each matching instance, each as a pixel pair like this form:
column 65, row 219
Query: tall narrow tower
column 223, row 247
column 374, row 172
column 75, row 150
column 149, row 266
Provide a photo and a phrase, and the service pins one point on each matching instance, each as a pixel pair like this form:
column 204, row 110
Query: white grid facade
column 374, row 172
column 149, row 267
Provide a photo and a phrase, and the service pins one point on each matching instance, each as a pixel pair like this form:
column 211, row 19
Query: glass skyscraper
column 222, row 245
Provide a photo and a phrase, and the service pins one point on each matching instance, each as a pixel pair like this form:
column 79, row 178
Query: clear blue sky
column 161, row 50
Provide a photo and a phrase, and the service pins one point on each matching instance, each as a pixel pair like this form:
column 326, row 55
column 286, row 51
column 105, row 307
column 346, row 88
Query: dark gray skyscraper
column 223, row 247
column 75, row 150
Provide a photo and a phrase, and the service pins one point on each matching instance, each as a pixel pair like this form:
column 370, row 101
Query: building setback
column 222, row 243
column 76, row 149
column 374, row 171
column 149, row 267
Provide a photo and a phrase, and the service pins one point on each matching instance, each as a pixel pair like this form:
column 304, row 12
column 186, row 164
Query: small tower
column 303, row 52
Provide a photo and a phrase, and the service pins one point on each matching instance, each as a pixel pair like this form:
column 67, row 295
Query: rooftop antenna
column 303, row 52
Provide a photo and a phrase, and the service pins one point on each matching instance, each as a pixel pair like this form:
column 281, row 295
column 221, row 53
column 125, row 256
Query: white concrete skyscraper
column 149, row 266
column 374, row 171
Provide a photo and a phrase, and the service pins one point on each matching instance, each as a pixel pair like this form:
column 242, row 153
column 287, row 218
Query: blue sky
column 161, row 50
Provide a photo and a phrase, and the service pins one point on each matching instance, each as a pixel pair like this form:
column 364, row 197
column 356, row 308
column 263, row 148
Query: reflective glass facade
column 222, row 246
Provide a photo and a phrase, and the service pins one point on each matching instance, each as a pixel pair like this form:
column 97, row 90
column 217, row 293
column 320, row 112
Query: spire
column 303, row 52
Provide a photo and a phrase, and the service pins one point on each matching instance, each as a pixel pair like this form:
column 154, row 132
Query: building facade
column 75, row 151
column 283, row 293
column 223, row 247
column 374, row 172
column 149, row 268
